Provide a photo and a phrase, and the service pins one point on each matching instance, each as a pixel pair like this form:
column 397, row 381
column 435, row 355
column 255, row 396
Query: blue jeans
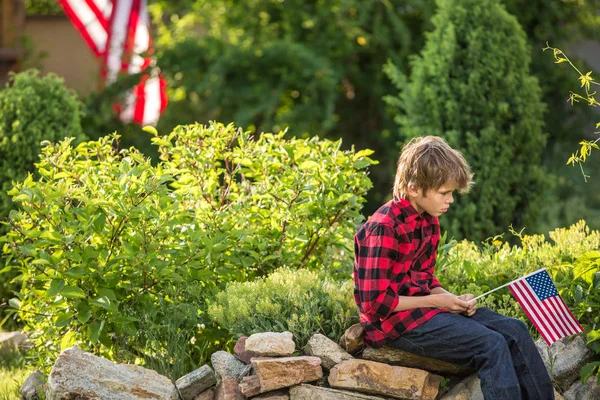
column 500, row 348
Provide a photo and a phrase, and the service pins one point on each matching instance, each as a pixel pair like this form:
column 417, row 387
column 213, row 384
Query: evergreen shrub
column 471, row 85
column 299, row 301
column 32, row 109
column 119, row 256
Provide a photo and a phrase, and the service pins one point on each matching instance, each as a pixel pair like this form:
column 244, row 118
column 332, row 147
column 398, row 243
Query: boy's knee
column 494, row 343
column 518, row 329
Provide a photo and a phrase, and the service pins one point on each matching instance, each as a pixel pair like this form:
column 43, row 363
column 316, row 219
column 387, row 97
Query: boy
column 401, row 304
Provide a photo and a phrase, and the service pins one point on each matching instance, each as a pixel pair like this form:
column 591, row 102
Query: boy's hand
column 452, row 303
column 472, row 305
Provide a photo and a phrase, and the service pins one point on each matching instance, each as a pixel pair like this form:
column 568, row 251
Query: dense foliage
column 119, row 255
column 298, row 301
column 571, row 258
column 32, row 109
column 313, row 66
column 471, row 85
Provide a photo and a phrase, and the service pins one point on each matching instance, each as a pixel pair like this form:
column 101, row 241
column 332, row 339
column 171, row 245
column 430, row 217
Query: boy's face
column 436, row 202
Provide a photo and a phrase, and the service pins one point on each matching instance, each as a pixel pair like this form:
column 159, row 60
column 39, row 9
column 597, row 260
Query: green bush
column 299, row 301
column 572, row 259
column 471, row 85
column 32, row 109
column 119, row 255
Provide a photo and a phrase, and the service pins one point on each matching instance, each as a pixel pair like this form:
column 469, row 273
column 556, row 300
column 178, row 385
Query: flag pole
column 505, row 285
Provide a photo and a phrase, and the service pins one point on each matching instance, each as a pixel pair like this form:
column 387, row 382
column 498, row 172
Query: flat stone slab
column 310, row 392
column 387, row 380
column 388, row 355
column 196, row 382
column 278, row 373
column 81, row 375
column 271, row 344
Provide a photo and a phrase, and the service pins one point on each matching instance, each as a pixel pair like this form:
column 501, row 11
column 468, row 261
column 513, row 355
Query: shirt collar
column 408, row 211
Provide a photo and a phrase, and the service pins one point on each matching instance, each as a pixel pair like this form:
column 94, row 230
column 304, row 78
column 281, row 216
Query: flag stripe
column 577, row 328
column 116, row 44
column 88, row 26
column 93, row 6
column 542, row 303
column 535, row 307
column 118, row 31
column 568, row 328
column 521, row 298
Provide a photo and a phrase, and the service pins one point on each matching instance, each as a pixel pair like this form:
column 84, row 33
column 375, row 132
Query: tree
column 315, row 66
column 471, row 85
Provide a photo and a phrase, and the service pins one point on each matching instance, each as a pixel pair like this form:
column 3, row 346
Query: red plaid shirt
column 394, row 256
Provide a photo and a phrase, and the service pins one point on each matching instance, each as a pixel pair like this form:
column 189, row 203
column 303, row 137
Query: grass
column 13, row 372
column 11, row 379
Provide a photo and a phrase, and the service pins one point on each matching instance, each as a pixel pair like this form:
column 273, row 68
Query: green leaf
column 587, row 370
column 150, row 129
column 308, row 165
column 63, row 319
column 101, row 301
column 40, row 261
column 93, row 331
column 107, row 293
column 362, row 163
column 68, row 340
column 83, row 312
column 14, row 303
column 76, row 272
column 72, row 292
column 55, row 286
column 99, row 222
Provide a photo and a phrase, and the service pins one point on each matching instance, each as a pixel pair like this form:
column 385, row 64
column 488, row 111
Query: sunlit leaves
column 109, row 245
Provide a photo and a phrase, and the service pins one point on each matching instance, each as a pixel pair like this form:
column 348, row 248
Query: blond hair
column 429, row 163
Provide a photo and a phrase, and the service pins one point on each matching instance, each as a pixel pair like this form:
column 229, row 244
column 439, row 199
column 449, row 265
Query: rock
column 208, row 394
column 271, row 344
column 196, row 382
column 11, row 341
column 327, row 350
column 589, row 391
column 470, row 389
column 228, row 389
column 240, row 350
column 228, row 366
column 309, row 392
column 564, row 359
column 388, row 355
column 352, row 339
column 277, row 373
column 33, row 387
column 377, row 378
column 467, row 389
column 81, row 375
column 250, row 386
column 276, row 395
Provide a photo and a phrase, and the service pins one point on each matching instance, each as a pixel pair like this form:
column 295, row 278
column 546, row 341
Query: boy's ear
column 413, row 190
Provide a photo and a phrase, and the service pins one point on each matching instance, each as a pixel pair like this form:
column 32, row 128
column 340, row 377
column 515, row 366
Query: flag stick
column 505, row 285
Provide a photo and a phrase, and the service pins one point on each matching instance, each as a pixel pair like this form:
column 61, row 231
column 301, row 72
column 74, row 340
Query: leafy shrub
column 471, row 85
column 299, row 301
column 32, row 109
column 572, row 259
column 118, row 255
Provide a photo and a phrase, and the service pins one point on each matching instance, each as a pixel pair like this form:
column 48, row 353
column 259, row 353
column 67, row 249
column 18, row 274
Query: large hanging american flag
column 540, row 300
column 118, row 32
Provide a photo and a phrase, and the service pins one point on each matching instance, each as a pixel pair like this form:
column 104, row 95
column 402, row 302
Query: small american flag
column 540, row 300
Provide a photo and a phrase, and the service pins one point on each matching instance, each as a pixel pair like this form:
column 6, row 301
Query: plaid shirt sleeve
column 378, row 253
